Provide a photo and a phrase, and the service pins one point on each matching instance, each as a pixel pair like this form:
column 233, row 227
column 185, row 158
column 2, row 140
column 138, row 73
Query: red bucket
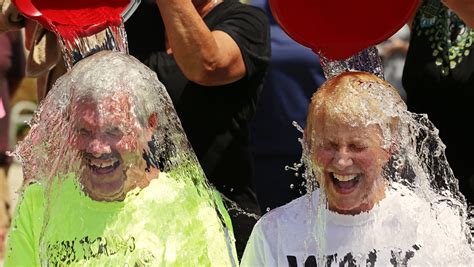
column 75, row 18
column 339, row 29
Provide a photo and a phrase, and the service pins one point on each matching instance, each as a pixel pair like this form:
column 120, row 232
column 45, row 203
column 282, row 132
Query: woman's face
column 349, row 161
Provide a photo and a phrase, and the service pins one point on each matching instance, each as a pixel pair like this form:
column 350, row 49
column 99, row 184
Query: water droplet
column 292, row 186
column 297, row 126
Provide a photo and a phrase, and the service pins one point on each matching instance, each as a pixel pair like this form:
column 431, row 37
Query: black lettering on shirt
column 291, row 261
column 309, row 262
column 399, row 258
column 66, row 252
column 371, row 259
column 348, row 261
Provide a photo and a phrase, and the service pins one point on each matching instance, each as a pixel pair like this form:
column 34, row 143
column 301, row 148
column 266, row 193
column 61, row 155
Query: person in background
column 365, row 209
column 44, row 62
column 439, row 78
column 393, row 52
column 293, row 74
column 12, row 71
column 212, row 56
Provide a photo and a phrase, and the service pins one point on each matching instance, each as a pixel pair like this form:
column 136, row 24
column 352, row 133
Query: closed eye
column 330, row 146
column 115, row 131
column 84, row 132
column 357, row 147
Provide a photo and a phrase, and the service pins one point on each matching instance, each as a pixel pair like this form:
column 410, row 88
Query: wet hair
column 136, row 79
column 145, row 94
column 358, row 99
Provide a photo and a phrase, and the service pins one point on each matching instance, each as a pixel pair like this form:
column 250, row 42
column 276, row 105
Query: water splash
column 101, row 100
column 367, row 60
column 235, row 209
column 75, row 47
column 417, row 170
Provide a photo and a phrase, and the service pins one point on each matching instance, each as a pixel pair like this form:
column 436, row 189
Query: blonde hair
column 358, row 99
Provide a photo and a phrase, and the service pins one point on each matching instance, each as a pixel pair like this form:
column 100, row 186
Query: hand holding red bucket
column 76, row 18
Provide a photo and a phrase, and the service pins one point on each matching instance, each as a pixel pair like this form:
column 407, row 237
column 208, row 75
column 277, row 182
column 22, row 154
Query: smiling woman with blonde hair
column 349, row 131
column 370, row 199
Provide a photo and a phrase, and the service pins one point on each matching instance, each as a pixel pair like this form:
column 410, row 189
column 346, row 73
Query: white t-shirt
column 399, row 231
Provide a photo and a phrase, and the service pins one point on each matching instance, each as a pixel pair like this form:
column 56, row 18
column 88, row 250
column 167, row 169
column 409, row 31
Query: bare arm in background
column 205, row 57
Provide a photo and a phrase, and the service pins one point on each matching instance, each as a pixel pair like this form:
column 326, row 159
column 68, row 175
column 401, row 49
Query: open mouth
column 101, row 167
column 345, row 184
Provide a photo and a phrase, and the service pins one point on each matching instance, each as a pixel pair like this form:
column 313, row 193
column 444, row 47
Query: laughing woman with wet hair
column 363, row 206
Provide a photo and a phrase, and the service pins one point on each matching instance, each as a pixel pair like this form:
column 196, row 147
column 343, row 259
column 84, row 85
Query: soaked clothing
column 215, row 119
column 398, row 231
column 439, row 80
column 166, row 223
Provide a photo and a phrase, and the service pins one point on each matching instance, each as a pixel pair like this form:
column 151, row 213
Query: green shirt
column 167, row 223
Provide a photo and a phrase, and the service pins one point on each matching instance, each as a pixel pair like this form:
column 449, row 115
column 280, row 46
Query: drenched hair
column 357, row 99
column 104, row 75
column 136, row 79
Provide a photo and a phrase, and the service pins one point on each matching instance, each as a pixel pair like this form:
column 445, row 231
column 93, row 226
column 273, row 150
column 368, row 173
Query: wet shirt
column 167, row 223
column 397, row 232
column 216, row 118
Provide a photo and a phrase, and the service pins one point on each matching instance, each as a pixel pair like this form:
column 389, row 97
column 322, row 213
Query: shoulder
column 435, row 218
column 28, row 217
column 233, row 10
column 401, row 200
column 33, row 192
column 237, row 7
column 276, row 228
column 291, row 214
